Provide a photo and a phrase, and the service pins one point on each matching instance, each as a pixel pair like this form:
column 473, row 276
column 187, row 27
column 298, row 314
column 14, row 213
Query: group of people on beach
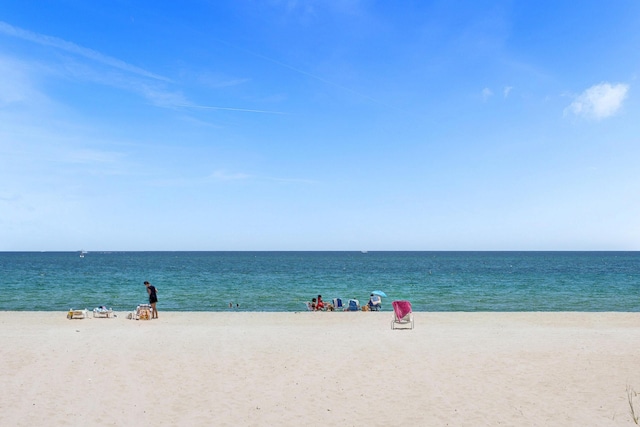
column 317, row 304
column 374, row 304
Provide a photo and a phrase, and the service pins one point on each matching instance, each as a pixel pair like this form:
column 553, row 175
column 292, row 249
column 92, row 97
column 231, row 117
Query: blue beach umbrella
column 379, row 293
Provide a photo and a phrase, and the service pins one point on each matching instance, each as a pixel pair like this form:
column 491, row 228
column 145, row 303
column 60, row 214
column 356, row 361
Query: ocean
column 283, row 281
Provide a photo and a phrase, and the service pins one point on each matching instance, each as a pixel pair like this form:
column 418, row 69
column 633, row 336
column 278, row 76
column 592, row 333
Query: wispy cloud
column 310, row 75
column 176, row 99
column 86, row 156
column 506, row 91
column 161, row 97
column 145, row 83
column 243, row 110
column 221, row 175
column 599, row 101
column 16, row 85
column 486, row 93
column 292, row 180
column 9, row 197
column 216, row 81
column 75, row 49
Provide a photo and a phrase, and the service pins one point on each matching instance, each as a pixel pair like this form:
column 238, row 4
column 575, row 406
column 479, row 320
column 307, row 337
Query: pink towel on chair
column 402, row 308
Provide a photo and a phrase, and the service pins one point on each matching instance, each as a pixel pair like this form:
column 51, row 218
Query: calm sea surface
column 283, row 281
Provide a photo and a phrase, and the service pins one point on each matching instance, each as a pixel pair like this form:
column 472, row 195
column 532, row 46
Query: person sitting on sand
column 320, row 304
column 353, row 305
column 375, row 302
column 313, row 304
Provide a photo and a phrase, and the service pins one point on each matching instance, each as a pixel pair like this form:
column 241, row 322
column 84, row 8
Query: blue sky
column 319, row 125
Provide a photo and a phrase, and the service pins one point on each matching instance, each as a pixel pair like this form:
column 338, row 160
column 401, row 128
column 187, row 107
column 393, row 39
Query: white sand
column 271, row 369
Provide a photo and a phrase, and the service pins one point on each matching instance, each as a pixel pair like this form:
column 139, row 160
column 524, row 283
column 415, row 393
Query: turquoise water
column 282, row 281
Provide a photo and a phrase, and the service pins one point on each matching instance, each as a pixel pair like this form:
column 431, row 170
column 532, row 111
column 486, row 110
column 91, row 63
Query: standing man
column 153, row 299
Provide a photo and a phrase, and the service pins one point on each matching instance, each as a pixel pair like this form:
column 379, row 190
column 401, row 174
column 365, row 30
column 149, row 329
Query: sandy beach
column 266, row 369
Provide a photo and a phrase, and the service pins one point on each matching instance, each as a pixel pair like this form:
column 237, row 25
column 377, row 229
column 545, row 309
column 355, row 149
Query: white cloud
column 486, row 93
column 599, row 101
column 507, row 90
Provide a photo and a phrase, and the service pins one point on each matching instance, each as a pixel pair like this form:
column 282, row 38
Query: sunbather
column 354, row 305
column 375, row 302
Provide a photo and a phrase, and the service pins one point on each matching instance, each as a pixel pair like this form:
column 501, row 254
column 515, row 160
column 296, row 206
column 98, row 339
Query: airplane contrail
column 57, row 43
column 91, row 54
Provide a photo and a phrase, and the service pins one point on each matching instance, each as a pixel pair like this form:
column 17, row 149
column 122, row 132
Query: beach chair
column 77, row 314
column 308, row 305
column 143, row 312
column 338, row 304
column 375, row 303
column 402, row 314
column 353, row 305
column 102, row 311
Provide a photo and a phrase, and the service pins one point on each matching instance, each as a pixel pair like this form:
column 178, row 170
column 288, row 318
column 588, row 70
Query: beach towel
column 402, row 308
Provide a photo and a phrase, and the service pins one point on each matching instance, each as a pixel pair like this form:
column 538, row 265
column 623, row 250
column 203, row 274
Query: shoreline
column 290, row 368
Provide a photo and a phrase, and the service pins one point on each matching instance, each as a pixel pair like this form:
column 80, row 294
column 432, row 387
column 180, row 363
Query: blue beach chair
column 354, row 305
column 375, row 303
